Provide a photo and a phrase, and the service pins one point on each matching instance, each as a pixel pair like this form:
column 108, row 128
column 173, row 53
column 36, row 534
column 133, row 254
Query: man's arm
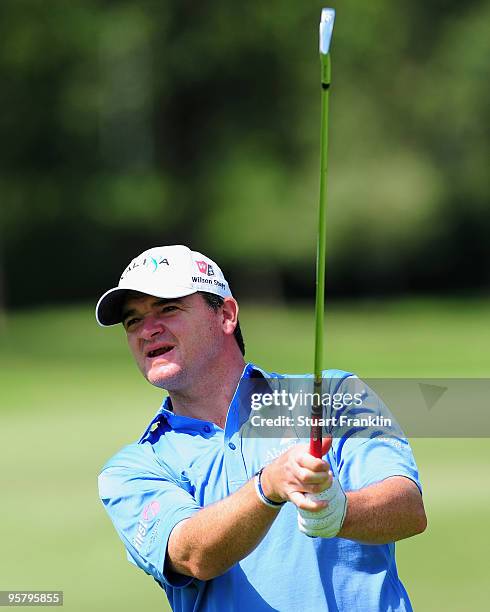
column 221, row 534
column 384, row 512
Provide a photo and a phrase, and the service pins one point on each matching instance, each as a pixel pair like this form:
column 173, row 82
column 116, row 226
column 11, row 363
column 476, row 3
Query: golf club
column 326, row 30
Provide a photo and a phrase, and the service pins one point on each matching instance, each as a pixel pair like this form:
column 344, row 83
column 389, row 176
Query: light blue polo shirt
column 181, row 464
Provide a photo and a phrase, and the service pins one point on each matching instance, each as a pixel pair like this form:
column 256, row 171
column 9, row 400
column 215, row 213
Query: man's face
column 172, row 340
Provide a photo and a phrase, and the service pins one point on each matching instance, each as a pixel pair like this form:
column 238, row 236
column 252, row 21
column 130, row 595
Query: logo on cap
column 149, row 262
column 205, row 268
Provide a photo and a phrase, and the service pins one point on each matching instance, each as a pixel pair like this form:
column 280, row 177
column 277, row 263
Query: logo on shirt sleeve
column 147, row 517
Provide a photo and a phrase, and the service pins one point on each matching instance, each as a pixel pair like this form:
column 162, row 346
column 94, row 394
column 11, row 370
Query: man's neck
column 210, row 397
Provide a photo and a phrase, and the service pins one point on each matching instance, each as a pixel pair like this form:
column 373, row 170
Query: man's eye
column 169, row 308
column 130, row 322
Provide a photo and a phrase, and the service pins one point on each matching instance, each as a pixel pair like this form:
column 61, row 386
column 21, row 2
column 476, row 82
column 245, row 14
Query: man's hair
column 215, row 302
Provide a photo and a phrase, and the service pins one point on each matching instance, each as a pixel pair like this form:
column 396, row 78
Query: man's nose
column 152, row 326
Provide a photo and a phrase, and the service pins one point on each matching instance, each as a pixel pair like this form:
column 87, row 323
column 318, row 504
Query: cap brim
column 109, row 309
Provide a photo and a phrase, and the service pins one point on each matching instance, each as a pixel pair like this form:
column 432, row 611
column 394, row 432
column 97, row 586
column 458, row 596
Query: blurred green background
column 126, row 125
column 72, row 397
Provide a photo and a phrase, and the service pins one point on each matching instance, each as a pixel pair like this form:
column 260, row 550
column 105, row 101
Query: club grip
column 319, row 447
column 316, row 447
column 316, row 415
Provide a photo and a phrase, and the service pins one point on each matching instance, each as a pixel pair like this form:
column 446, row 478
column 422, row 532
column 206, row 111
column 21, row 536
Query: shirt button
column 206, row 428
column 231, row 445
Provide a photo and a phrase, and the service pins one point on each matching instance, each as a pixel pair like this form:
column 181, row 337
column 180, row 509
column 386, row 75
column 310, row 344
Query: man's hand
column 325, row 523
column 308, row 483
column 295, row 474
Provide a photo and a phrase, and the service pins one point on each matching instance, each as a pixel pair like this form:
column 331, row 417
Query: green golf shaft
column 316, row 433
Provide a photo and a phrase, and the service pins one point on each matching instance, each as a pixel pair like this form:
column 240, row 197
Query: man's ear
column 230, row 315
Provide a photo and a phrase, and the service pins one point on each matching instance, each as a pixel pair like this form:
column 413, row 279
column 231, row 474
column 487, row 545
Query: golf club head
column 326, row 29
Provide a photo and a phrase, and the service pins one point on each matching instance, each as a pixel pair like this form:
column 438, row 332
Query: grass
column 70, row 397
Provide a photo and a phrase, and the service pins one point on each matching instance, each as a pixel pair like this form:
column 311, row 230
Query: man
column 221, row 518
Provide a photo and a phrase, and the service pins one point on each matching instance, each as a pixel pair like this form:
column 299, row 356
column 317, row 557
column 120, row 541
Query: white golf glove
column 327, row 522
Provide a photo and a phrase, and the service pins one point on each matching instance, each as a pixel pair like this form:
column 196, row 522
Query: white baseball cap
column 164, row 272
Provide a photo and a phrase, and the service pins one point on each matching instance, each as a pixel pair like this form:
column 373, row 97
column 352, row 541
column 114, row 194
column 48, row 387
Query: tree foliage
column 126, row 125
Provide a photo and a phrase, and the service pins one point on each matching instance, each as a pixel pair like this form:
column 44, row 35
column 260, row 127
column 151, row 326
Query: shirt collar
column 238, row 411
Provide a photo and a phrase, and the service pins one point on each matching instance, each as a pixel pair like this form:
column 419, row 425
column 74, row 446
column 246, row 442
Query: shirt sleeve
column 145, row 502
column 368, row 444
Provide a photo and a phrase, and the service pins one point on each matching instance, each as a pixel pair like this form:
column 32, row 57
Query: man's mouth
column 159, row 351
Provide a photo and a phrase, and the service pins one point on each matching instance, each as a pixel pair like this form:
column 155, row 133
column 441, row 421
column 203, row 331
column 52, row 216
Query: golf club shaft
column 316, row 429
